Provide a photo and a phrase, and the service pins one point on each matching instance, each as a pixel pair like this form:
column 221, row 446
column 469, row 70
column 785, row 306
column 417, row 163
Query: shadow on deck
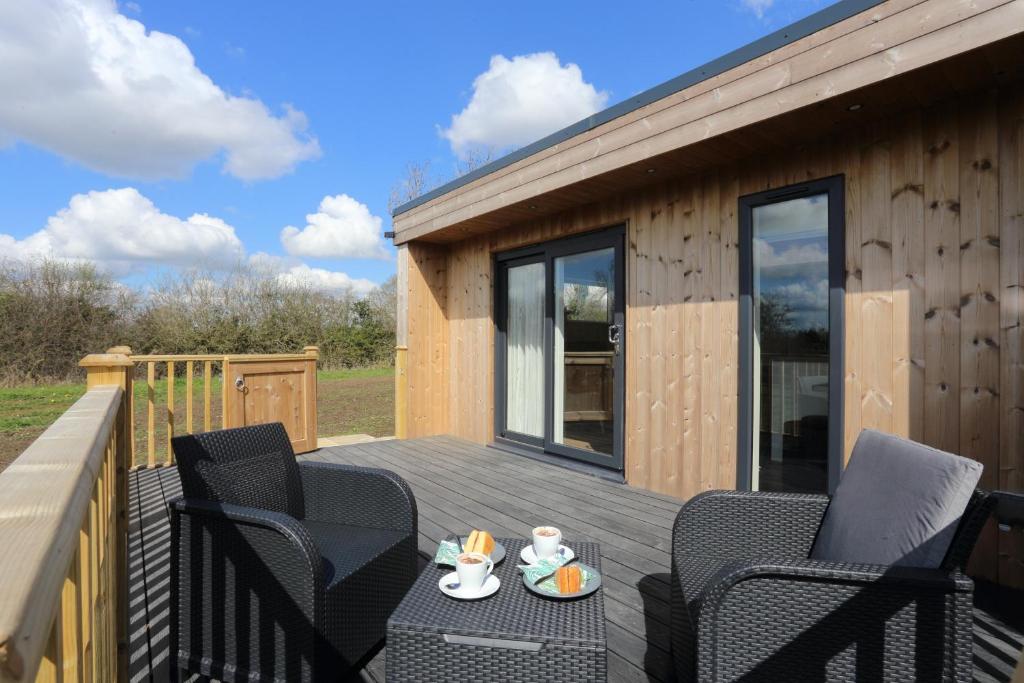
column 460, row 485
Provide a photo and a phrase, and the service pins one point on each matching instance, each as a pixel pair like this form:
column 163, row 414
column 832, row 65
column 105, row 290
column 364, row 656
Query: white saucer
column 490, row 587
column 529, row 557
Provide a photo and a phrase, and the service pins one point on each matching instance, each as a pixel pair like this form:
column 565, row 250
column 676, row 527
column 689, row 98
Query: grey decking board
column 534, row 468
column 516, row 466
column 464, row 486
column 513, row 465
column 627, row 597
column 611, row 565
column 635, row 604
column 646, row 518
column 477, row 482
column 462, row 497
column 624, row 640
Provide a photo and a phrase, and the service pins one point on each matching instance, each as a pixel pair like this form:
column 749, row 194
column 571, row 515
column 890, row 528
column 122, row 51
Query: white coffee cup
column 546, row 540
column 473, row 569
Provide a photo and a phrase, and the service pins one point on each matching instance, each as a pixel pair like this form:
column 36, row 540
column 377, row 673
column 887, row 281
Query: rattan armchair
column 282, row 570
column 748, row 604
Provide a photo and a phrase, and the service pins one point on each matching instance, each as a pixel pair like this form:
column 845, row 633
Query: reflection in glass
column 790, row 298
column 584, row 376
column 525, row 350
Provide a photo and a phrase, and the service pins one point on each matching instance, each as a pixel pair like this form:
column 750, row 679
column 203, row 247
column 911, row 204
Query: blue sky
column 307, row 101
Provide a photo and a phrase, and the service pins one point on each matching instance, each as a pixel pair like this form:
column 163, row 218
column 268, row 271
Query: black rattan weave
column 570, row 635
column 263, row 595
column 748, row 605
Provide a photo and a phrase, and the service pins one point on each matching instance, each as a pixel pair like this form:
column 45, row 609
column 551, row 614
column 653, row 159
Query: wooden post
column 189, row 371
column 170, row 412
column 401, row 392
column 226, row 383
column 402, row 345
column 151, row 414
column 207, row 400
column 117, row 369
column 313, row 353
column 126, row 351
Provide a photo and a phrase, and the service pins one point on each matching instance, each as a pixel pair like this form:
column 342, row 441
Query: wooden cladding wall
column 934, row 346
column 428, row 400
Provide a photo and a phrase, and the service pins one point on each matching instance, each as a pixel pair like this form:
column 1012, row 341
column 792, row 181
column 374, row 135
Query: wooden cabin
column 721, row 281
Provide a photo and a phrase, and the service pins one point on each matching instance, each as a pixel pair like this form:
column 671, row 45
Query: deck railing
column 63, row 502
column 213, row 366
column 169, row 363
column 63, row 539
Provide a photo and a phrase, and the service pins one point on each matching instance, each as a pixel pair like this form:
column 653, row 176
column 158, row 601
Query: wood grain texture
column 428, row 340
column 894, row 43
column 1011, row 322
column 460, row 485
column 933, row 304
column 63, row 568
column 275, row 391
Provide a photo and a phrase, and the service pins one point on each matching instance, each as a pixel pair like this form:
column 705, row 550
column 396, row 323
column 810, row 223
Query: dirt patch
column 13, row 443
column 356, row 406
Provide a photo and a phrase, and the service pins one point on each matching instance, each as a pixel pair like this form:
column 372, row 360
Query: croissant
column 569, row 579
column 480, row 542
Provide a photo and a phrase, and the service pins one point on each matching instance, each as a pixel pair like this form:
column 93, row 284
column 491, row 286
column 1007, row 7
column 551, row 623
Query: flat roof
column 773, row 41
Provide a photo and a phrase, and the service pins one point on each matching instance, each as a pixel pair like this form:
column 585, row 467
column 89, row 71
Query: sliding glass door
column 559, row 369
column 791, row 293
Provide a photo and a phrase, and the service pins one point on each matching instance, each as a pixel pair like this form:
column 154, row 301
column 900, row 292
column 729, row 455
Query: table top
column 513, row 612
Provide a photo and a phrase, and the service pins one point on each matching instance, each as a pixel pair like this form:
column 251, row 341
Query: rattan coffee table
column 513, row 635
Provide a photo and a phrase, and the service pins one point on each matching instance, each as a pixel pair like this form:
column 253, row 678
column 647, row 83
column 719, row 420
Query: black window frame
column 834, row 187
column 546, row 252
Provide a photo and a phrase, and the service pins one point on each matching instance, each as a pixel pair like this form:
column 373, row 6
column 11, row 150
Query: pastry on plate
column 480, row 542
column 569, row 579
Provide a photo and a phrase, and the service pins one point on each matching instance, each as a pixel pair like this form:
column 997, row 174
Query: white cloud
column 133, row 7
column 520, row 100
column 292, row 271
column 758, row 7
column 123, row 232
column 342, row 228
column 332, row 282
column 90, row 84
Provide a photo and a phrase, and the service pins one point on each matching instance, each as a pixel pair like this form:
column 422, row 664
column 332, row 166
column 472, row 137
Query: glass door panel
column 559, row 361
column 584, row 351
column 524, row 356
column 790, row 389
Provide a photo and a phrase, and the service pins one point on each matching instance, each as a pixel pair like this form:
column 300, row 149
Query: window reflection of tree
column 589, row 301
column 778, row 334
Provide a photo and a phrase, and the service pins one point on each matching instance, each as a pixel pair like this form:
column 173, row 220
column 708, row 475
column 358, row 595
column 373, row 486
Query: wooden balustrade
column 212, row 365
column 171, row 363
column 63, row 531
column 63, row 504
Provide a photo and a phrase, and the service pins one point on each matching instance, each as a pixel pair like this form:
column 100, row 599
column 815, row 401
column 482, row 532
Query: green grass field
column 355, row 401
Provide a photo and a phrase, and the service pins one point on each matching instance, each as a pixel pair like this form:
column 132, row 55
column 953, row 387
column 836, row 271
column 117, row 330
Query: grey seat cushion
column 257, row 481
column 898, row 503
column 347, row 549
column 251, row 466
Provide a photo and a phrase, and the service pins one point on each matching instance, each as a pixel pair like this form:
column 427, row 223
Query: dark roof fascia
column 773, row 41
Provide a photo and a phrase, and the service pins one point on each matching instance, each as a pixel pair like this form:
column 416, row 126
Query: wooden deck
column 459, row 485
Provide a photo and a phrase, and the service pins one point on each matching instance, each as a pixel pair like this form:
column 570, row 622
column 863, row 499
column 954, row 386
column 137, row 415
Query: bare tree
column 473, row 159
column 417, row 181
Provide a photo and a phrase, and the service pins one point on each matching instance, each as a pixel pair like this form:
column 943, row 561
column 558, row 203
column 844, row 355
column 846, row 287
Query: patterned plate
column 546, row 587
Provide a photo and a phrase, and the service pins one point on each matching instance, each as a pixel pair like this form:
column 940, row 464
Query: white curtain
column 525, row 353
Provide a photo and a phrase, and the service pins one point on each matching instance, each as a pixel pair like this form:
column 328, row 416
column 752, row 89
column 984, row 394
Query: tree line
column 53, row 313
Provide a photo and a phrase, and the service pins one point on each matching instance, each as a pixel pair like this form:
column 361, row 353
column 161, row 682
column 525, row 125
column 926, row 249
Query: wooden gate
column 260, row 389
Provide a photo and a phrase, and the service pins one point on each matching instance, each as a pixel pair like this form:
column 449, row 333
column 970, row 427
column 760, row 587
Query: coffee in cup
column 473, row 569
column 546, row 540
